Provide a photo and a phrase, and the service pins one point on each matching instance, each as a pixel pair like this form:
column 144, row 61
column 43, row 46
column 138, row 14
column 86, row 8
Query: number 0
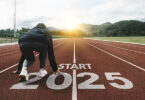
column 52, row 85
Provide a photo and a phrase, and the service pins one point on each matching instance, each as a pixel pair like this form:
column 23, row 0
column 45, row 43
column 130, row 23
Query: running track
column 113, row 70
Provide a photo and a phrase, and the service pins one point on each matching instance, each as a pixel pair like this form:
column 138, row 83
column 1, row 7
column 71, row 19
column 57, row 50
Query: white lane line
column 15, row 52
column 74, row 85
column 124, row 48
column 132, row 45
column 7, row 48
column 8, row 68
column 74, row 93
column 17, row 63
column 118, row 57
column 8, row 53
column 74, row 56
column 58, row 44
column 141, row 44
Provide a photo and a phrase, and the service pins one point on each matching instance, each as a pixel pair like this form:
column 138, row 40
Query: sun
column 71, row 24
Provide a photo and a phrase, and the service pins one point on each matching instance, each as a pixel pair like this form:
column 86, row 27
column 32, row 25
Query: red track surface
column 103, row 56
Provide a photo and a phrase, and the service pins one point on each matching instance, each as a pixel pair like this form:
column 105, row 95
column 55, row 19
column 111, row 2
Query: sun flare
column 71, row 24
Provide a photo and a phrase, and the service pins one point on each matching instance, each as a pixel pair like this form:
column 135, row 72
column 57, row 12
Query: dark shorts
column 27, row 52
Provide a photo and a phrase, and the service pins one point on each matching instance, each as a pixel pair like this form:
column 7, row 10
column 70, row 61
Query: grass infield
column 132, row 39
column 12, row 39
column 7, row 40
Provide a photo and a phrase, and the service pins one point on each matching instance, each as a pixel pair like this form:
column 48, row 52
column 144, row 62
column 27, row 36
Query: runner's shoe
column 16, row 72
column 42, row 72
column 24, row 75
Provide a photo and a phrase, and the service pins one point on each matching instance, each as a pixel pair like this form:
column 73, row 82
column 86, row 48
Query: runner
column 40, row 40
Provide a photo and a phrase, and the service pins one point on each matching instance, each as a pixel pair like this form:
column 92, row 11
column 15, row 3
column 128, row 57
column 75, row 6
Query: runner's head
column 41, row 25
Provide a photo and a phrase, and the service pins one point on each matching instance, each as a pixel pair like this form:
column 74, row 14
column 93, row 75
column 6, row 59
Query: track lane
column 15, row 48
column 125, row 54
column 35, row 53
column 102, row 63
column 62, row 55
column 135, row 47
column 127, row 49
column 8, row 58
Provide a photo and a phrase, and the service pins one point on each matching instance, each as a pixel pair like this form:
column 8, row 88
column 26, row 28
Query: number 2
column 87, row 84
column 23, row 85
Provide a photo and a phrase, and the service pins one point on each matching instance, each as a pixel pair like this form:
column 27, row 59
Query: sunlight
column 71, row 23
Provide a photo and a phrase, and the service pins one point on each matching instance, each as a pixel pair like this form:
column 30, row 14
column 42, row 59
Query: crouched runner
column 37, row 39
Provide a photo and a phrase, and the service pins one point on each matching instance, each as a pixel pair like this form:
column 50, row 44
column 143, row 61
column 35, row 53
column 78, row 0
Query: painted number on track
column 87, row 84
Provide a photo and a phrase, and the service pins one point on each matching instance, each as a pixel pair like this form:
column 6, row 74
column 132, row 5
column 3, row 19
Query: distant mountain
column 126, row 28
column 121, row 28
column 87, row 28
column 93, row 29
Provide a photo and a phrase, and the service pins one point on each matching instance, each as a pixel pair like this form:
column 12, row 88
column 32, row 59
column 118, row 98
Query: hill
column 121, row 28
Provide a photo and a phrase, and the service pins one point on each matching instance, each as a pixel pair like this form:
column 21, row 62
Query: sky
column 69, row 13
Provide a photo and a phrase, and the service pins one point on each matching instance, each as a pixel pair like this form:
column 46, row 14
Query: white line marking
column 74, row 88
column 24, row 85
column 58, row 44
column 7, row 48
column 124, row 49
column 118, row 41
column 8, row 68
column 13, row 52
column 74, row 57
column 131, row 45
column 122, row 43
column 17, row 63
column 8, row 53
column 117, row 57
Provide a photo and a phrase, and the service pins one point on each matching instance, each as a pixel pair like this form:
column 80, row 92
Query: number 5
column 127, row 84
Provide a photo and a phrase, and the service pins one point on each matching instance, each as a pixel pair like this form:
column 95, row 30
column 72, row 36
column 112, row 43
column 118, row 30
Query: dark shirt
column 41, row 36
column 38, row 35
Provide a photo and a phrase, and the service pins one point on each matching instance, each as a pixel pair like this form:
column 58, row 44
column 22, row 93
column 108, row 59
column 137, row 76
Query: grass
column 7, row 40
column 12, row 39
column 133, row 39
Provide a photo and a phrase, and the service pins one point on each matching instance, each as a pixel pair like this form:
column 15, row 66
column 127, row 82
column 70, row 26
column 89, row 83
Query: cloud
column 58, row 13
column 6, row 14
column 114, row 10
column 32, row 22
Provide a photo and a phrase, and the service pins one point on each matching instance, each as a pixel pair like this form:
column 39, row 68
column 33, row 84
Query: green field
column 12, row 39
column 7, row 40
column 133, row 39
